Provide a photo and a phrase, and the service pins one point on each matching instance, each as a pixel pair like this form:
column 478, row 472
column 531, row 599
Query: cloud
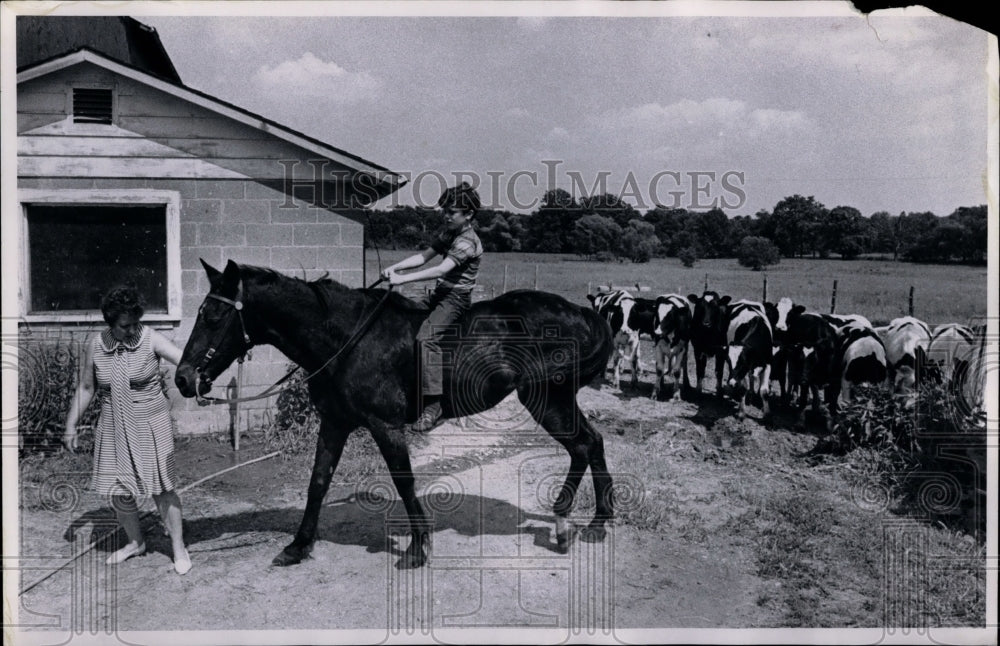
column 315, row 78
column 686, row 117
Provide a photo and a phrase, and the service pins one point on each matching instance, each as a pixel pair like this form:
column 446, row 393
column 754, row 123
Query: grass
column 840, row 565
column 878, row 289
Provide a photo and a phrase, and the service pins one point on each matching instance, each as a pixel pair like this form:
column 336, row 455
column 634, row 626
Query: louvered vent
column 91, row 105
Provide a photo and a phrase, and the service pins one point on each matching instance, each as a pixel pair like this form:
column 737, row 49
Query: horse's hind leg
column 556, row 410
column 397, row 457
column 329, row 447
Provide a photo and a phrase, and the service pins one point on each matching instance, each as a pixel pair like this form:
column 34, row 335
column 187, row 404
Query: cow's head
column 778, row 313
column 709, row 310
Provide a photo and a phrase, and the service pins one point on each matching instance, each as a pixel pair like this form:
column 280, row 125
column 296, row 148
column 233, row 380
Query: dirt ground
column 675, row 558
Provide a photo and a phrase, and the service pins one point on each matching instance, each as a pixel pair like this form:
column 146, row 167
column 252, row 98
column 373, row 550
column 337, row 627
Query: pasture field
column 878, row 289
column 720, row 522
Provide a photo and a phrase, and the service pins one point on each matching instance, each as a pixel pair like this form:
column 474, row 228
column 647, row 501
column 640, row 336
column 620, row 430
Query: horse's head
column 219, row 335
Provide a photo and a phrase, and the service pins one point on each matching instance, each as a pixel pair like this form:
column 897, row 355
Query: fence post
column 504, row 290
column 833, row 298
column 911, row 300
column 764, row 298
column 589, row 287
column 706, row 282
column 536, row 275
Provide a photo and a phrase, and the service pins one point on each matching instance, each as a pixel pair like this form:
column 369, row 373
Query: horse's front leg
column 329, row 447
column 397, row 457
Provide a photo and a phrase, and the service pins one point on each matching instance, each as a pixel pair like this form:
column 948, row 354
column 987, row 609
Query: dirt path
column 671, row 560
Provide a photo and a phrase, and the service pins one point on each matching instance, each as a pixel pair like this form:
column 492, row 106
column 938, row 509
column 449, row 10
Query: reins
column 276, row 387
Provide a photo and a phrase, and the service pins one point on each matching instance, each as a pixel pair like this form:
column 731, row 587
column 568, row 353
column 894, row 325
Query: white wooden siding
column 155, row 134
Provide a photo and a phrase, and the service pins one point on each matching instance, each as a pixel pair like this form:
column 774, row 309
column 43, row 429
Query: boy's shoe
column 429, row 419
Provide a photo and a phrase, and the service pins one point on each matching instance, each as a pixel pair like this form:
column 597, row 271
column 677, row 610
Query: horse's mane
column 326, row 289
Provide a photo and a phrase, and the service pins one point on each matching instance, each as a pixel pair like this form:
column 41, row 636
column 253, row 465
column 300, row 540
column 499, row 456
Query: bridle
column 237, row 307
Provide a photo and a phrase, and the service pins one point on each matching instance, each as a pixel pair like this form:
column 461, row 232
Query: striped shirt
column 465, row 248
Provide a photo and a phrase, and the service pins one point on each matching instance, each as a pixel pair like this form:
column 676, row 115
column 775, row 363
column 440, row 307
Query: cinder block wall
column 247, row 222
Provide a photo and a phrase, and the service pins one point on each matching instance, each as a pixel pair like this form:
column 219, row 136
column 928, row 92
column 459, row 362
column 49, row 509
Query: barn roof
column 386, row 181
column 40, row 38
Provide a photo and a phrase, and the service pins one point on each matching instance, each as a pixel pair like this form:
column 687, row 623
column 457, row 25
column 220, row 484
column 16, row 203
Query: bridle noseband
column 237, row 308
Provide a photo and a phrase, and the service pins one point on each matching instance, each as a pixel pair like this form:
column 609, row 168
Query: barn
column 125, row 174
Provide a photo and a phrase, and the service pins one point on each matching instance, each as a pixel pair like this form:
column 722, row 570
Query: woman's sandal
column 182, row 563
column 126, row 553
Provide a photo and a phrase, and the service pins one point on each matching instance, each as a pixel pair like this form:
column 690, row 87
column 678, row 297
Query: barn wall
column 221, row 219
column 155, row 135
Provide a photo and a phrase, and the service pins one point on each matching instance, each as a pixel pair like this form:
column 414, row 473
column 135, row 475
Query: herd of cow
column 806, row 353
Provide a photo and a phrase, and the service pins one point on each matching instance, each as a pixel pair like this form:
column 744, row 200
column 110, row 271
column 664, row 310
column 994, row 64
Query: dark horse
column 535, row 343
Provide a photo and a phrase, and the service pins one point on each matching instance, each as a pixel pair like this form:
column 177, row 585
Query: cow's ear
column 798, row 309
column 694, row 298
column 591, row 297
column 725, row 300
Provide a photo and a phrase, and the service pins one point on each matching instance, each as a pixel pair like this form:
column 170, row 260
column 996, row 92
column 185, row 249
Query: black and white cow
column 906, row 340
column 840, row 320
column 778, row 315
column 948, row 343
column 672, row 327
column 812, row 358
column 709, row 327
column 628, row 317
column 749, row 351
column 861, row 360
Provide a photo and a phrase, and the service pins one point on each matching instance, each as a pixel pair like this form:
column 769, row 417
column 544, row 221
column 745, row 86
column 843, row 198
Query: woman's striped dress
column 134, row 440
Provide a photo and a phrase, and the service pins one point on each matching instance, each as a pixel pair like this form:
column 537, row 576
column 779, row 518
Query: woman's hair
column 122, row 299
column 461, row 198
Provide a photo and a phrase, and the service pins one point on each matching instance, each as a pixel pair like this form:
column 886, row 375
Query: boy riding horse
column 452, row 296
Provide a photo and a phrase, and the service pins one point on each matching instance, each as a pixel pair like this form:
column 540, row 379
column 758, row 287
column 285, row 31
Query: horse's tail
column 594, row 363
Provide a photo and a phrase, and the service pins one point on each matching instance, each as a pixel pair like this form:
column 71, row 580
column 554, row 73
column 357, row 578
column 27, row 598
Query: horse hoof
column 290, row 556
column 411, row 560
column 594, row 533
column 285, row 559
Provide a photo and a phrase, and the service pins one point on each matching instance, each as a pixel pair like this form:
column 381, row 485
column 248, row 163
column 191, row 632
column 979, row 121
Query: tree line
column 602, row 227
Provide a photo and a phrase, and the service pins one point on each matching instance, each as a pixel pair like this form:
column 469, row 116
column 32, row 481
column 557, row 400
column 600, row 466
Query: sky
column 879, row 113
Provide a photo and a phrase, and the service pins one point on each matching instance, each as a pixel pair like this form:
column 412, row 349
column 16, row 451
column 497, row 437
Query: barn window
column 91, row 105
column 75, row 250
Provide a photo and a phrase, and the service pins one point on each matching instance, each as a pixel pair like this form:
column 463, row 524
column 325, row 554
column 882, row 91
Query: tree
column 667, row 223
column 639, row 241
column 795, row 220
column 609, row 206
column 756, row 253
column 548, row 229
column 913, row 232
column 974, row 221
column 882, row 236
column 557, row 198
column 501, row 235
column 688, row 256
column 840, row 230
column 712, row 229
column 739, row 227
column 593, row 234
